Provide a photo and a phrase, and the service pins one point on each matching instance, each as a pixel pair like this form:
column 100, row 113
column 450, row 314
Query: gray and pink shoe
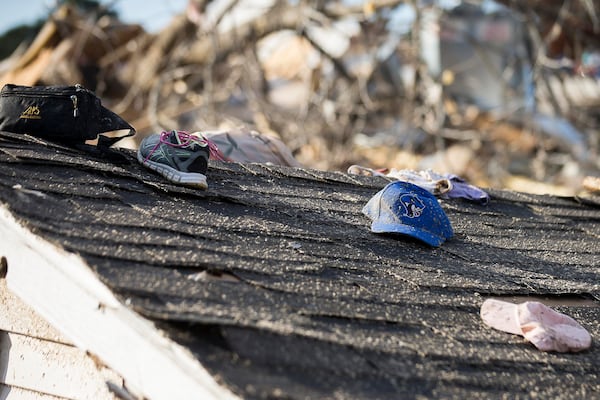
column 180, row 157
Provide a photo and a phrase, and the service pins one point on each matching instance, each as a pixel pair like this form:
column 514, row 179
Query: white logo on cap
column 412, row 205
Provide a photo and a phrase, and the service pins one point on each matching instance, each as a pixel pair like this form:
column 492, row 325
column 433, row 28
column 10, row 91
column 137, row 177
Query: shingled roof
column 272, row 280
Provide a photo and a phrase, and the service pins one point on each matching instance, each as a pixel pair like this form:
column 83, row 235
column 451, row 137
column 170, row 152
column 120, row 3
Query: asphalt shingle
column 274, row 281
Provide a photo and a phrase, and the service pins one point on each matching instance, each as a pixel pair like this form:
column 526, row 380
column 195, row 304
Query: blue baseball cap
column 407, row 209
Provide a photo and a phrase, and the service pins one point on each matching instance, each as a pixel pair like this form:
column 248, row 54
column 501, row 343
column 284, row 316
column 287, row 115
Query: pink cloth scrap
column 546, row 329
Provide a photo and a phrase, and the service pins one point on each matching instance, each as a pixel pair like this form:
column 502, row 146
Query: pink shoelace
column 186, row 139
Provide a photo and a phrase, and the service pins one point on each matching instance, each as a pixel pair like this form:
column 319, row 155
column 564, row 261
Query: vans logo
column 32, row 112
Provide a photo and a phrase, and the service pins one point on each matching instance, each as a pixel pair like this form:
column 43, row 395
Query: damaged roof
column 274, row 282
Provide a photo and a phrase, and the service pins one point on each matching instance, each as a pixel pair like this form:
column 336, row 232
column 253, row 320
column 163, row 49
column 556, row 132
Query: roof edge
column 63, row 289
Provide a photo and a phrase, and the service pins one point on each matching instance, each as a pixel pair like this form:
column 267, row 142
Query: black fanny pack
column 66, row 114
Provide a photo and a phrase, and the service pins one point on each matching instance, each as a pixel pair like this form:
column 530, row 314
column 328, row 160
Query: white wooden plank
column 63, row 290
column 16, row 393
column 18, row 317
column 52, row 368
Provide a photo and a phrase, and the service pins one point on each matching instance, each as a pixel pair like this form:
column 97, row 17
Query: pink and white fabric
column 545, row 328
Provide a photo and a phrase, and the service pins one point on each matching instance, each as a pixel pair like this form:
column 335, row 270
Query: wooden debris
column 200, row 72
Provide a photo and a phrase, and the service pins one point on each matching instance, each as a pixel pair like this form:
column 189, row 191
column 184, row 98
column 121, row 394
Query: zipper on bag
column 75, row 107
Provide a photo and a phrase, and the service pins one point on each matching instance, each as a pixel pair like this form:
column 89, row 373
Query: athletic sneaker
column 179, row 156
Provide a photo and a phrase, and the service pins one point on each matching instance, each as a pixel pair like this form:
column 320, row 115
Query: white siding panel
column 51, row 368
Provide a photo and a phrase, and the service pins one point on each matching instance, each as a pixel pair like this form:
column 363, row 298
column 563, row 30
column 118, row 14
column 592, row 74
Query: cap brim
column 429, row 238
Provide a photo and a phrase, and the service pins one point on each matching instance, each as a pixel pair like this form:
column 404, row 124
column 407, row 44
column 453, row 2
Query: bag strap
column 109, row 121
column 106, row 141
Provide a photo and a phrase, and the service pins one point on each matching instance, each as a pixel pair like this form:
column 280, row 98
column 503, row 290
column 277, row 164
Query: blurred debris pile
column 502, row 95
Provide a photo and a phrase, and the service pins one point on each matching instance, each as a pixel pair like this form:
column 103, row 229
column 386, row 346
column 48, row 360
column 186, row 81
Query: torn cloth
column 443, row 185
column 547, row 329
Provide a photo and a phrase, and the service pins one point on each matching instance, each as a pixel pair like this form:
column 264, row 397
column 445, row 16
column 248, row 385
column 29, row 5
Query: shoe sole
column 192, row 179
